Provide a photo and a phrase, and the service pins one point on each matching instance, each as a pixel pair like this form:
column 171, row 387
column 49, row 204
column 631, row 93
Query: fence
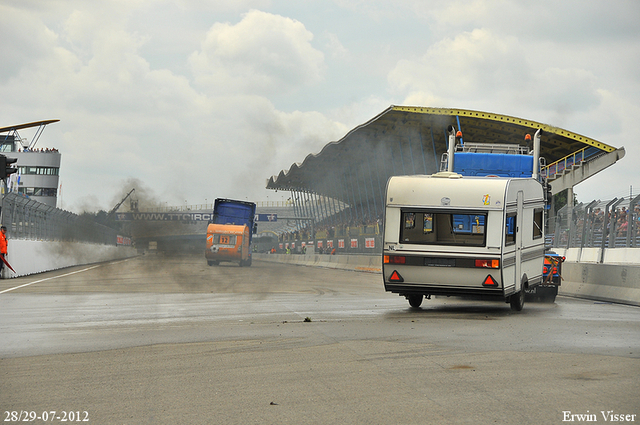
column 29, row 219
column 599, row 224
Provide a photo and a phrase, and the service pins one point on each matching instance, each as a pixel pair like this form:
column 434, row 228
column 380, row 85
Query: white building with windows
column 38, row 168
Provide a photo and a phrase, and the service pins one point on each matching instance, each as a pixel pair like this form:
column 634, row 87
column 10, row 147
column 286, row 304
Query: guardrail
column 29, row 219
column 569, row 162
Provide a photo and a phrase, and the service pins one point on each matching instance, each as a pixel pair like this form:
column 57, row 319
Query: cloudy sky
column 195, row 99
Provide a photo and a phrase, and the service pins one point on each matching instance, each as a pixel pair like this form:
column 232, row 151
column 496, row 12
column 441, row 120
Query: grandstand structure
column 347, row 179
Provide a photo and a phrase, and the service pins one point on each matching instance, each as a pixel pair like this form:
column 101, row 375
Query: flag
column 7, row 263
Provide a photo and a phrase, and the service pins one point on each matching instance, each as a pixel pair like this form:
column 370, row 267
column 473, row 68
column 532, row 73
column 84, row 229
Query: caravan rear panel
column 468, row 236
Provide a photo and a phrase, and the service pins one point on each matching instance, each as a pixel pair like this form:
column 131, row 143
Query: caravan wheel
column 415, row 300
column 517, row 300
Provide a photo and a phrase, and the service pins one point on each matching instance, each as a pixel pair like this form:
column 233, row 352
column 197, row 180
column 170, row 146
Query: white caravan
column 453, row 235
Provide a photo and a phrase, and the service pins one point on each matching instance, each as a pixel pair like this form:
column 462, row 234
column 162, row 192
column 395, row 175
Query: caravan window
column 443, row 228
column 510, row 229
column 537, row 223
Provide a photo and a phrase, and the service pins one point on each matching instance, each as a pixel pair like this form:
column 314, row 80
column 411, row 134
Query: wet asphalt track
column 171, row 340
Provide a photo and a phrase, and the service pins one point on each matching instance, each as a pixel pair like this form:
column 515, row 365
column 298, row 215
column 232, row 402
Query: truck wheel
column 415, row 300
column 213, row 262
column 517, row 300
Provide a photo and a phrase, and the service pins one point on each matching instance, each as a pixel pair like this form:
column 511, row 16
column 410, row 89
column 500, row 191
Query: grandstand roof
column 27, row 125
column 411, row 140
column 404, row 140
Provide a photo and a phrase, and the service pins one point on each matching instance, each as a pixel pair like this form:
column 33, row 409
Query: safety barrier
column 617, row 280
column 30, row 257
column 362, row 263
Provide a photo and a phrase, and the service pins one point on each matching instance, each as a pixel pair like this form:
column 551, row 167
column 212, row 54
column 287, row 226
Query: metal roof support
column 299, row 202
column 345, row 189
column 293, row 203
column 413, row 165
column 319, row 209
column 295, row 209
column 317, row 205
column 373, row 192
column 360, row 200
column 384, row 162
column 393, row 163
column 435, row 153
column 587, row 222
column 312, row 208
column 632, row 222
column 323, row 207
column 572, row 225
column 378, row 180
column 364, row 183
column 401, row 157
column 327, row 206
column 354, row 181
column 424, row 161
column 335, row 212
column 303, row 206
column 604, row 228
column 558, row 222
column 382, row 181
column 613, row 223
column 327, row 216
column 355, row 203
column 330, row 211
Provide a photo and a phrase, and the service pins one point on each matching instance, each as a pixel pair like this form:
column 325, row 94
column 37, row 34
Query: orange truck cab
column 227, row 242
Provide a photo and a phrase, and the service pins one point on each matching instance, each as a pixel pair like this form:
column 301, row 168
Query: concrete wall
column 363, row 263
column 30, row 257
column 617, row 280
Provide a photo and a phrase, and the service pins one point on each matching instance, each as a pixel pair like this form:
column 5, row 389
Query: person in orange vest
column 3, row 247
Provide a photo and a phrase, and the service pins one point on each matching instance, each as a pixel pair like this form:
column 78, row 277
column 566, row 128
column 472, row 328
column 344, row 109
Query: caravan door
column 519, row 217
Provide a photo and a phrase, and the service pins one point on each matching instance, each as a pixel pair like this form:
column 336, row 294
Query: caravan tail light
column 488, row 264
column 395, row 259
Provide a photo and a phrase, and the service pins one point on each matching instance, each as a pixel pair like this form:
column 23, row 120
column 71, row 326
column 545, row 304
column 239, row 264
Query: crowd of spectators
column 43, row 150
column 324, row 230
column 620, row 221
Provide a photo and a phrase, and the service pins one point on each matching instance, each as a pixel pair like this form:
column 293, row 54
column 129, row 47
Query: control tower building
column 38, row 168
